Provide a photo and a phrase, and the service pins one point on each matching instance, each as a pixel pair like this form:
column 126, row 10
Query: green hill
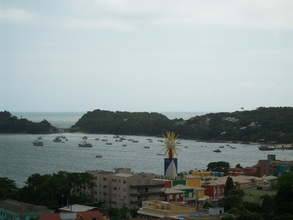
column 123, row 123
column 11, row 124
column 274, row 124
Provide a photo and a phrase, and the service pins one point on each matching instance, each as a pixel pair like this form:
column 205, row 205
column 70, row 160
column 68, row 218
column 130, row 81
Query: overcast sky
column 152, row 55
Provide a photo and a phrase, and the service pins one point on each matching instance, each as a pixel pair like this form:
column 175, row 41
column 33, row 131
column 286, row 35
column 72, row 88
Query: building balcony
column 156, row 185
column 136, row 201
column 135, row 193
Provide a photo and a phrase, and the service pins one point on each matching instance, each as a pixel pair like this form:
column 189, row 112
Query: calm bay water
column 57, row 119
column 19, row 158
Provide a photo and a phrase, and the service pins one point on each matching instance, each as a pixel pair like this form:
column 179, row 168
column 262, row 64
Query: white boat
column 84, row 143
column 38, row 142
column 57, row 139
column 266, row 148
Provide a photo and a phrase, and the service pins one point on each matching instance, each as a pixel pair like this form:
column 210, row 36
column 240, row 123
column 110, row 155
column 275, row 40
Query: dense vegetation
column 271, row 207
column 11, row 124
column 262, row 124
column 273, row 124
column 124, row 123
column 50, row 190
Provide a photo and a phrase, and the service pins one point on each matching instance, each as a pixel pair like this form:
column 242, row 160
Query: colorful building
column 161, row 209
column 214, row 188
column 268, row 167
column 171, row 195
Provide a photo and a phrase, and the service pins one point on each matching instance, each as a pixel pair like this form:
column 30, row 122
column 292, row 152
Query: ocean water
column 19, row 158
column 183, row 115
column 57, row 119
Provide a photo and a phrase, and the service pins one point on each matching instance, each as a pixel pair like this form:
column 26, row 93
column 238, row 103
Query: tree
column 247, row 215
column 238, row 166
column 7, row 188
column 233, row 200
column 268, row 206
column 228, row 186
column 220, row 166
column 114, row 214
column 123, row 212
column 284, row 195
column 230, row 201
column 53, row 190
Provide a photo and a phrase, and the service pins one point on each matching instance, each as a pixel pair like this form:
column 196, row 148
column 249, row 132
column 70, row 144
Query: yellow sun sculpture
column 170, row 143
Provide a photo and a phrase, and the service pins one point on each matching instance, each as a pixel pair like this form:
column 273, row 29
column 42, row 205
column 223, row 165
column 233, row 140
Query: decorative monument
column 170, row 164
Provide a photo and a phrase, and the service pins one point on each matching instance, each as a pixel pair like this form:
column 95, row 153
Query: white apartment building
column 123, row 188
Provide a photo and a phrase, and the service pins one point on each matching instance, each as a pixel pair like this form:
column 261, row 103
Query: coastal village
column 168, row 196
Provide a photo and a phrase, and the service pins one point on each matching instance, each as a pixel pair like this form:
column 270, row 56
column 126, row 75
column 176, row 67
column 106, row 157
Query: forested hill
column 124, row 123
column 11, row 124
column 274, row 124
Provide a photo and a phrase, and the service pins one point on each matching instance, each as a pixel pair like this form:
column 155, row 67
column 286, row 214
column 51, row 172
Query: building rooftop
column 90, row 215
column 126, row 175
column 163, row 209
column 182, row 187
column 21, row 207
column 76, row 208
column 170, row 191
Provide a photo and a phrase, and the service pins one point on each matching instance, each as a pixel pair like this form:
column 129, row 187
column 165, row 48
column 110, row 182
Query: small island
column 13, row 125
